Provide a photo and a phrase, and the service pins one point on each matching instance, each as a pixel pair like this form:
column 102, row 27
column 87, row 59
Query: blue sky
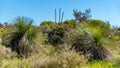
column 40, row 10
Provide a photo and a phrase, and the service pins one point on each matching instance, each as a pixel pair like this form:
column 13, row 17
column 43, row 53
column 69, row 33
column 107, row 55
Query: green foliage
column 100, row 64
column 47, row 26
column 118, row 28
column 86, row 39
column 116, row 37
column 89, row 40
column 72, row 22
column 2, row 31
column 96, row 34
column 47, row 23
column 21, row 26
column 31, row 34
column 23, row 37
column 104, row 27
column 88, row 36
column 81, row 16
column 114, row 34
column 56, row 36
column 98, row 51
column 83, row 45
column 69, row 24
column 99, row 23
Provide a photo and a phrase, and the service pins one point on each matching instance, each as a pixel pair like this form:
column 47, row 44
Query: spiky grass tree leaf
column 31, row 35
column 97, row 50
column 23, row 36
column 96, row 34
column 55, row 37
column 20, row 24
column 89, row 40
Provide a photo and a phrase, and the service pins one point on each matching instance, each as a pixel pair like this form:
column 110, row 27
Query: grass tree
column 98, row 50
column 23, row 38
column 89, row 40
column 55, row 37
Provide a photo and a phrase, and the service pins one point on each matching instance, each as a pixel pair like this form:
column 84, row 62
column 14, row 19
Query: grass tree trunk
column 100, row 53
column 15, row 41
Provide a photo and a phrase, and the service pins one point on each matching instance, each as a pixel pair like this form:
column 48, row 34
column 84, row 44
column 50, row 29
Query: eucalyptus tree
column 81, row 16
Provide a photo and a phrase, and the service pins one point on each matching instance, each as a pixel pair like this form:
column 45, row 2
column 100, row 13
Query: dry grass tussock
column 64, row 59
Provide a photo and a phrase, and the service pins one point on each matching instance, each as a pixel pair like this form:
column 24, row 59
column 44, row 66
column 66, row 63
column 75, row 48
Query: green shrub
column 69, row 22
column 118, row 28
column 99, row 23
column 22, row 40
column 102, row 25
column 89, row 40
column 47, row 26
column 3, row 31
column 47, row 23
column 56, row 36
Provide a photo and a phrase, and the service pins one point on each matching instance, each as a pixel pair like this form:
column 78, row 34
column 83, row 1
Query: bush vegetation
column 76, row 43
